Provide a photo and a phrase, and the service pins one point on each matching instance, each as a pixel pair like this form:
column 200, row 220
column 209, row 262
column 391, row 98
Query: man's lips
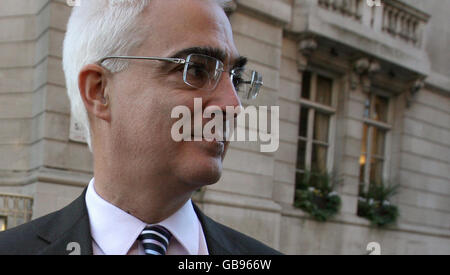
column 216, row 147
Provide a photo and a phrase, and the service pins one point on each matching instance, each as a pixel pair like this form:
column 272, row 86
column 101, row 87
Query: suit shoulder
column 246, row 244
column 225, row 240
column 32, row 237
column 23, row 238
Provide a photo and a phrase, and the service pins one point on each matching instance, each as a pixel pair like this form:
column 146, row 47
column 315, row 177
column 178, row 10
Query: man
column 128, row 63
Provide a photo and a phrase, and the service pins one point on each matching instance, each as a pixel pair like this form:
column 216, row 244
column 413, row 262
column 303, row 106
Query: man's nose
column 225, row 95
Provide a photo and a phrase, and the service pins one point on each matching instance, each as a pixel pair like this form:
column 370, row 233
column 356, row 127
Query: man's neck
column 151, row 200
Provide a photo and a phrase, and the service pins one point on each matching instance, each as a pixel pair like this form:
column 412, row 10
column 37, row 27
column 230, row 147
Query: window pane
column 319, row 158
column 298, row 181
column 376, row 170
column 367, row 108
column 321, row 125
column 324, row 90
column 380, row 108
column 2, row 223
column 363, row 157
column 301, row 154
column 378, row 142
column 362, row 166
column 303, row 127
column 364, row 139
column 299, row 184
column 306, row 85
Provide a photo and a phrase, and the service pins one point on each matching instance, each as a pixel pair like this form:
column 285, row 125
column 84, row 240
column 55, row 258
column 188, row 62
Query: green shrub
column 374, row 204
column 315, row 195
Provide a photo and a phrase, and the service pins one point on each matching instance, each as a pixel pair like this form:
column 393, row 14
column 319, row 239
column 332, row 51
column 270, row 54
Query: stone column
column 37, row 157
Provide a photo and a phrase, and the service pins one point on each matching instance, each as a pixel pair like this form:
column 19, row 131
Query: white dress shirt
column 115, row 232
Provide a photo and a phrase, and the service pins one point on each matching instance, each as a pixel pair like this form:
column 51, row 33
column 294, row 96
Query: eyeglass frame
column 255, row 82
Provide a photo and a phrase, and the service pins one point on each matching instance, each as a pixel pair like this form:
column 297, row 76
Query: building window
column 375, row 130
column 317, row 118
column 2, row 223
column 14, row 210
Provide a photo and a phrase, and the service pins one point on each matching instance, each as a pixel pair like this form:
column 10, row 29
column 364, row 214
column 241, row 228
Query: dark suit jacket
column 52, row 233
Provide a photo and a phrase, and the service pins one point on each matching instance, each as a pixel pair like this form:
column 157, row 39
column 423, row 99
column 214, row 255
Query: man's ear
column 92, row 84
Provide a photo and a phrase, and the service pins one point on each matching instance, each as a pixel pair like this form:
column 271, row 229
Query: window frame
column 313, row 107
column 383, row 126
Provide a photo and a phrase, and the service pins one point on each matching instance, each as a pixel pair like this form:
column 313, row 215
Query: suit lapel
column 68, row 232
column 214, row 235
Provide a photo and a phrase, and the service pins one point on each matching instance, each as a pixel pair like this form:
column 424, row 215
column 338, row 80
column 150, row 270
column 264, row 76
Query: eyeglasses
column 203, row 72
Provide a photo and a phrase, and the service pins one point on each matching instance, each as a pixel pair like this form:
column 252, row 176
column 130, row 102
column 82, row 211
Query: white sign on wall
column 73, row 3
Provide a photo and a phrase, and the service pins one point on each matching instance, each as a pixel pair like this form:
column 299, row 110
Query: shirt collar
column 115, row 231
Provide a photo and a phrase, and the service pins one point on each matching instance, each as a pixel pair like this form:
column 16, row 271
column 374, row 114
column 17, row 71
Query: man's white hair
column 98, row 28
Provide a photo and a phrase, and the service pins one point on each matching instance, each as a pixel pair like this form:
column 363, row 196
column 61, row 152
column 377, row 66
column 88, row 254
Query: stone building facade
column 363, row 91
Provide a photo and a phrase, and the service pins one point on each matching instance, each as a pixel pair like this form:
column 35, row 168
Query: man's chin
column 202, row 172
column 200, row 162
column 208, row 174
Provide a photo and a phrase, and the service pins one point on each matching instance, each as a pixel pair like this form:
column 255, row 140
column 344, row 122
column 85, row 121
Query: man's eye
column 197, row 75
column 197, row 70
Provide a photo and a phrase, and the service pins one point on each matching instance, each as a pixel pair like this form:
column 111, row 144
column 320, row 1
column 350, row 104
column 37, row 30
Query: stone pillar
column 37, row 158
column 353, row 102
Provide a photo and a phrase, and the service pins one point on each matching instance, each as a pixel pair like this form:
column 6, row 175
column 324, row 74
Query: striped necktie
column 155, row 239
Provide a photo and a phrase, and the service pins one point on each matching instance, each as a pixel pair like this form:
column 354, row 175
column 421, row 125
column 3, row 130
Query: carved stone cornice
column 363, row 71
column 306, row 47
column 413, row 89
column 361, row 66
column 230, row 7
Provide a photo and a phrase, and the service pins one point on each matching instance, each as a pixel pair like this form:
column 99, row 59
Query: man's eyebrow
column 210, row 51
column 240, row 62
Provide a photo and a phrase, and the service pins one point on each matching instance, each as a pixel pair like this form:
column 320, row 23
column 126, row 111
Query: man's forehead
column 194, row 26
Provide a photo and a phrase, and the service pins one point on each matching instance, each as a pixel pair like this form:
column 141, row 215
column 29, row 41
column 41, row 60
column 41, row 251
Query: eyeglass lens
column 247, row 83
column 203, row 72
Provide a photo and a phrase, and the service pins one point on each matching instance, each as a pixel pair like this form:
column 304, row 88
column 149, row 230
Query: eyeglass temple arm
column 168, row 59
